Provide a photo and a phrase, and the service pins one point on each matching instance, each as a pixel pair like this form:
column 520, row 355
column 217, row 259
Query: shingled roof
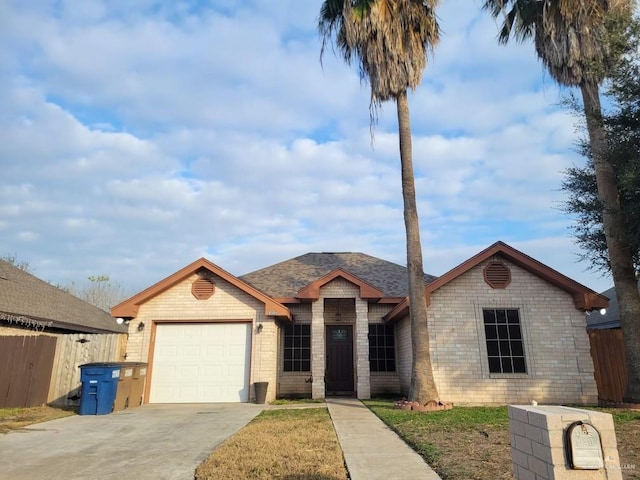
column 24, row 297
column 285, row 279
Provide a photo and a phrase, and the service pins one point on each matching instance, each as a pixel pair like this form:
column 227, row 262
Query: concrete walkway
column 371, row 450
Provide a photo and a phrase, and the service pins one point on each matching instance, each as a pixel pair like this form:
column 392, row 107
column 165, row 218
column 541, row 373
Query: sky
column 138, row 136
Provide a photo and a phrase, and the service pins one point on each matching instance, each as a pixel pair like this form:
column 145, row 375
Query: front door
column 339, row 372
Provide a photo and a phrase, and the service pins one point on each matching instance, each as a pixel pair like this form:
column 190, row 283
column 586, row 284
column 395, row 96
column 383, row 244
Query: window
column 382, row 350
column 504, row 341
column 297, row 348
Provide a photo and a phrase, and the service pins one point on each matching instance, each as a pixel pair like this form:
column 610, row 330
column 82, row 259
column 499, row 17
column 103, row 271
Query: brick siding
column 228, row 303
column 538, row 446
column 559, row 365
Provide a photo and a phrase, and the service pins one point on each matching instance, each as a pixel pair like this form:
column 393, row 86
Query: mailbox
column 583, row 447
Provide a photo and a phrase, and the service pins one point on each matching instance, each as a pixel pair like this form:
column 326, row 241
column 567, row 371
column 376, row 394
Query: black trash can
column 261, row 391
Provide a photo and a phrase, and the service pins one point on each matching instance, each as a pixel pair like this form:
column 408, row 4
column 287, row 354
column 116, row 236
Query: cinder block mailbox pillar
column 562, row 443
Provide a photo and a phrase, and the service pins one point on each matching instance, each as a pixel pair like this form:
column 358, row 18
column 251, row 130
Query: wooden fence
column 608, row 354
column 75, row 350
column 25, row 369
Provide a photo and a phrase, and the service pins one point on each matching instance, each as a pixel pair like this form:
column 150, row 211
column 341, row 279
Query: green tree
column 570, row 38
column 622, row 124
column 389, row 40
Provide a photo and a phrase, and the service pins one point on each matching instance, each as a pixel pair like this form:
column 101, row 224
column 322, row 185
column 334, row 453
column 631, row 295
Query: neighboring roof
column 583, row 297
column 285, row 279
column 611, row 318
column 129, row 308
column 24, row 296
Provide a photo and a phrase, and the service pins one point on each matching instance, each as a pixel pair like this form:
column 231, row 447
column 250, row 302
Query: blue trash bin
column 99, row 385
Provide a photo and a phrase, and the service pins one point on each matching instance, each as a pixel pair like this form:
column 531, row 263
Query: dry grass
column 18, row 418
column 291, row 444
column 473, row 443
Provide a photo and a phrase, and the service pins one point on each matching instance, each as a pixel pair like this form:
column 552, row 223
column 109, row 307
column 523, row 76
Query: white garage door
column 200, row 363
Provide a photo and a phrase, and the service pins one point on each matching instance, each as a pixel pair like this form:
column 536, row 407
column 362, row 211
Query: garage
column 201, row 363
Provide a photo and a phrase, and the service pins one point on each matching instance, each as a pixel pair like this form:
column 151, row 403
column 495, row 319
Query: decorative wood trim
column 583, row 297
column 312, row 291
column 497, row 275
column 203, row 288
column 129, row 308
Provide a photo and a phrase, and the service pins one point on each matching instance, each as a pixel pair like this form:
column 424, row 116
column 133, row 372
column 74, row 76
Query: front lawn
column 18, row 418
column 294, row 444
column 473, row 442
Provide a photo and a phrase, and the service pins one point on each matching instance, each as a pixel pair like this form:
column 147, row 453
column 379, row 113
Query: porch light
column 141, row 326
column 603, row 311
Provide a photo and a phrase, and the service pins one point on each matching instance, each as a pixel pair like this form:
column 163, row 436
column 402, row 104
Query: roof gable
column 312, row 291
column 583, row 297
column 25, row 297
column 129, row 308
column 285, row 279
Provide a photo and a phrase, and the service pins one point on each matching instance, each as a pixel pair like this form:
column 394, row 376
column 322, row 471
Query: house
column 45, row 333
column 503, row 328
column 29, row 305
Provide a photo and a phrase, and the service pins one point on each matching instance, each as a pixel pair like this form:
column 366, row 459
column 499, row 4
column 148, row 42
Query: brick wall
column 298, row 384
column 538, row 446
column 384, row 383
column 559, row 365
column 228, row 303
column 294, row 384
column 404, row 353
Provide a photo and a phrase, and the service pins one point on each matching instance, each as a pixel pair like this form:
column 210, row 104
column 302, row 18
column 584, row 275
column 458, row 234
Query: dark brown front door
column 339, row 373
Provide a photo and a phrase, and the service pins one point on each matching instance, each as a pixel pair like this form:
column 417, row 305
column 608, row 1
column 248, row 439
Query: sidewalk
column 371, row 450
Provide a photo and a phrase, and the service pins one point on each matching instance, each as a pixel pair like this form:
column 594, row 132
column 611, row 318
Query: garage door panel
column 191, row 352
column 199, row 363
column 214, row 350
column 214, row 370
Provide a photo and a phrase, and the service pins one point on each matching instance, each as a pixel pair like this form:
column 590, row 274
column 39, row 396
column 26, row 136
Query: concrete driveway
column 154, row 442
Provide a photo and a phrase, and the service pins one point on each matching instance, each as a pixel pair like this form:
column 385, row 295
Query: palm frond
column 389, row 39
column 569, row 35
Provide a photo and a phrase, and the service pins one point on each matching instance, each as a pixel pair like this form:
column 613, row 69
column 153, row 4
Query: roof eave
column 312, row 291
column 400, row 311
column 129, row 308
column 584, row 297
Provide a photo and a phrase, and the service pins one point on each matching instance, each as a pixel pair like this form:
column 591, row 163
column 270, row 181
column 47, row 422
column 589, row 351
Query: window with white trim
column 505, row 345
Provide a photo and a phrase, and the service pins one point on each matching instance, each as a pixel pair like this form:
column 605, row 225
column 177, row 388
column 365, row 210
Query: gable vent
column 203, row 288
column 497, row 275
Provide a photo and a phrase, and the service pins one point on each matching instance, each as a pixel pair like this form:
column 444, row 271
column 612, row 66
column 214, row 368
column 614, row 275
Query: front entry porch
column 340, row 345
column 339, row 369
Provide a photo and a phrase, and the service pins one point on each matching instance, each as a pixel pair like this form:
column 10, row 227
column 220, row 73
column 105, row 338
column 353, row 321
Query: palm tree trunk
column 620, row 255
column 423, row 386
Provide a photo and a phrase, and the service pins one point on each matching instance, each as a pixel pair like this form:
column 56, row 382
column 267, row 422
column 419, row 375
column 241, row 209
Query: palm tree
column 390, row 39
column 570, row 38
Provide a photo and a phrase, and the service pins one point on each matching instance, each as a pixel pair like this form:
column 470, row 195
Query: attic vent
column 497, row 275
column 203, row 288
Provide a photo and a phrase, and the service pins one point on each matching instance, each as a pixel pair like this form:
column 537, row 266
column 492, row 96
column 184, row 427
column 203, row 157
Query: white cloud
column 139, row 137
